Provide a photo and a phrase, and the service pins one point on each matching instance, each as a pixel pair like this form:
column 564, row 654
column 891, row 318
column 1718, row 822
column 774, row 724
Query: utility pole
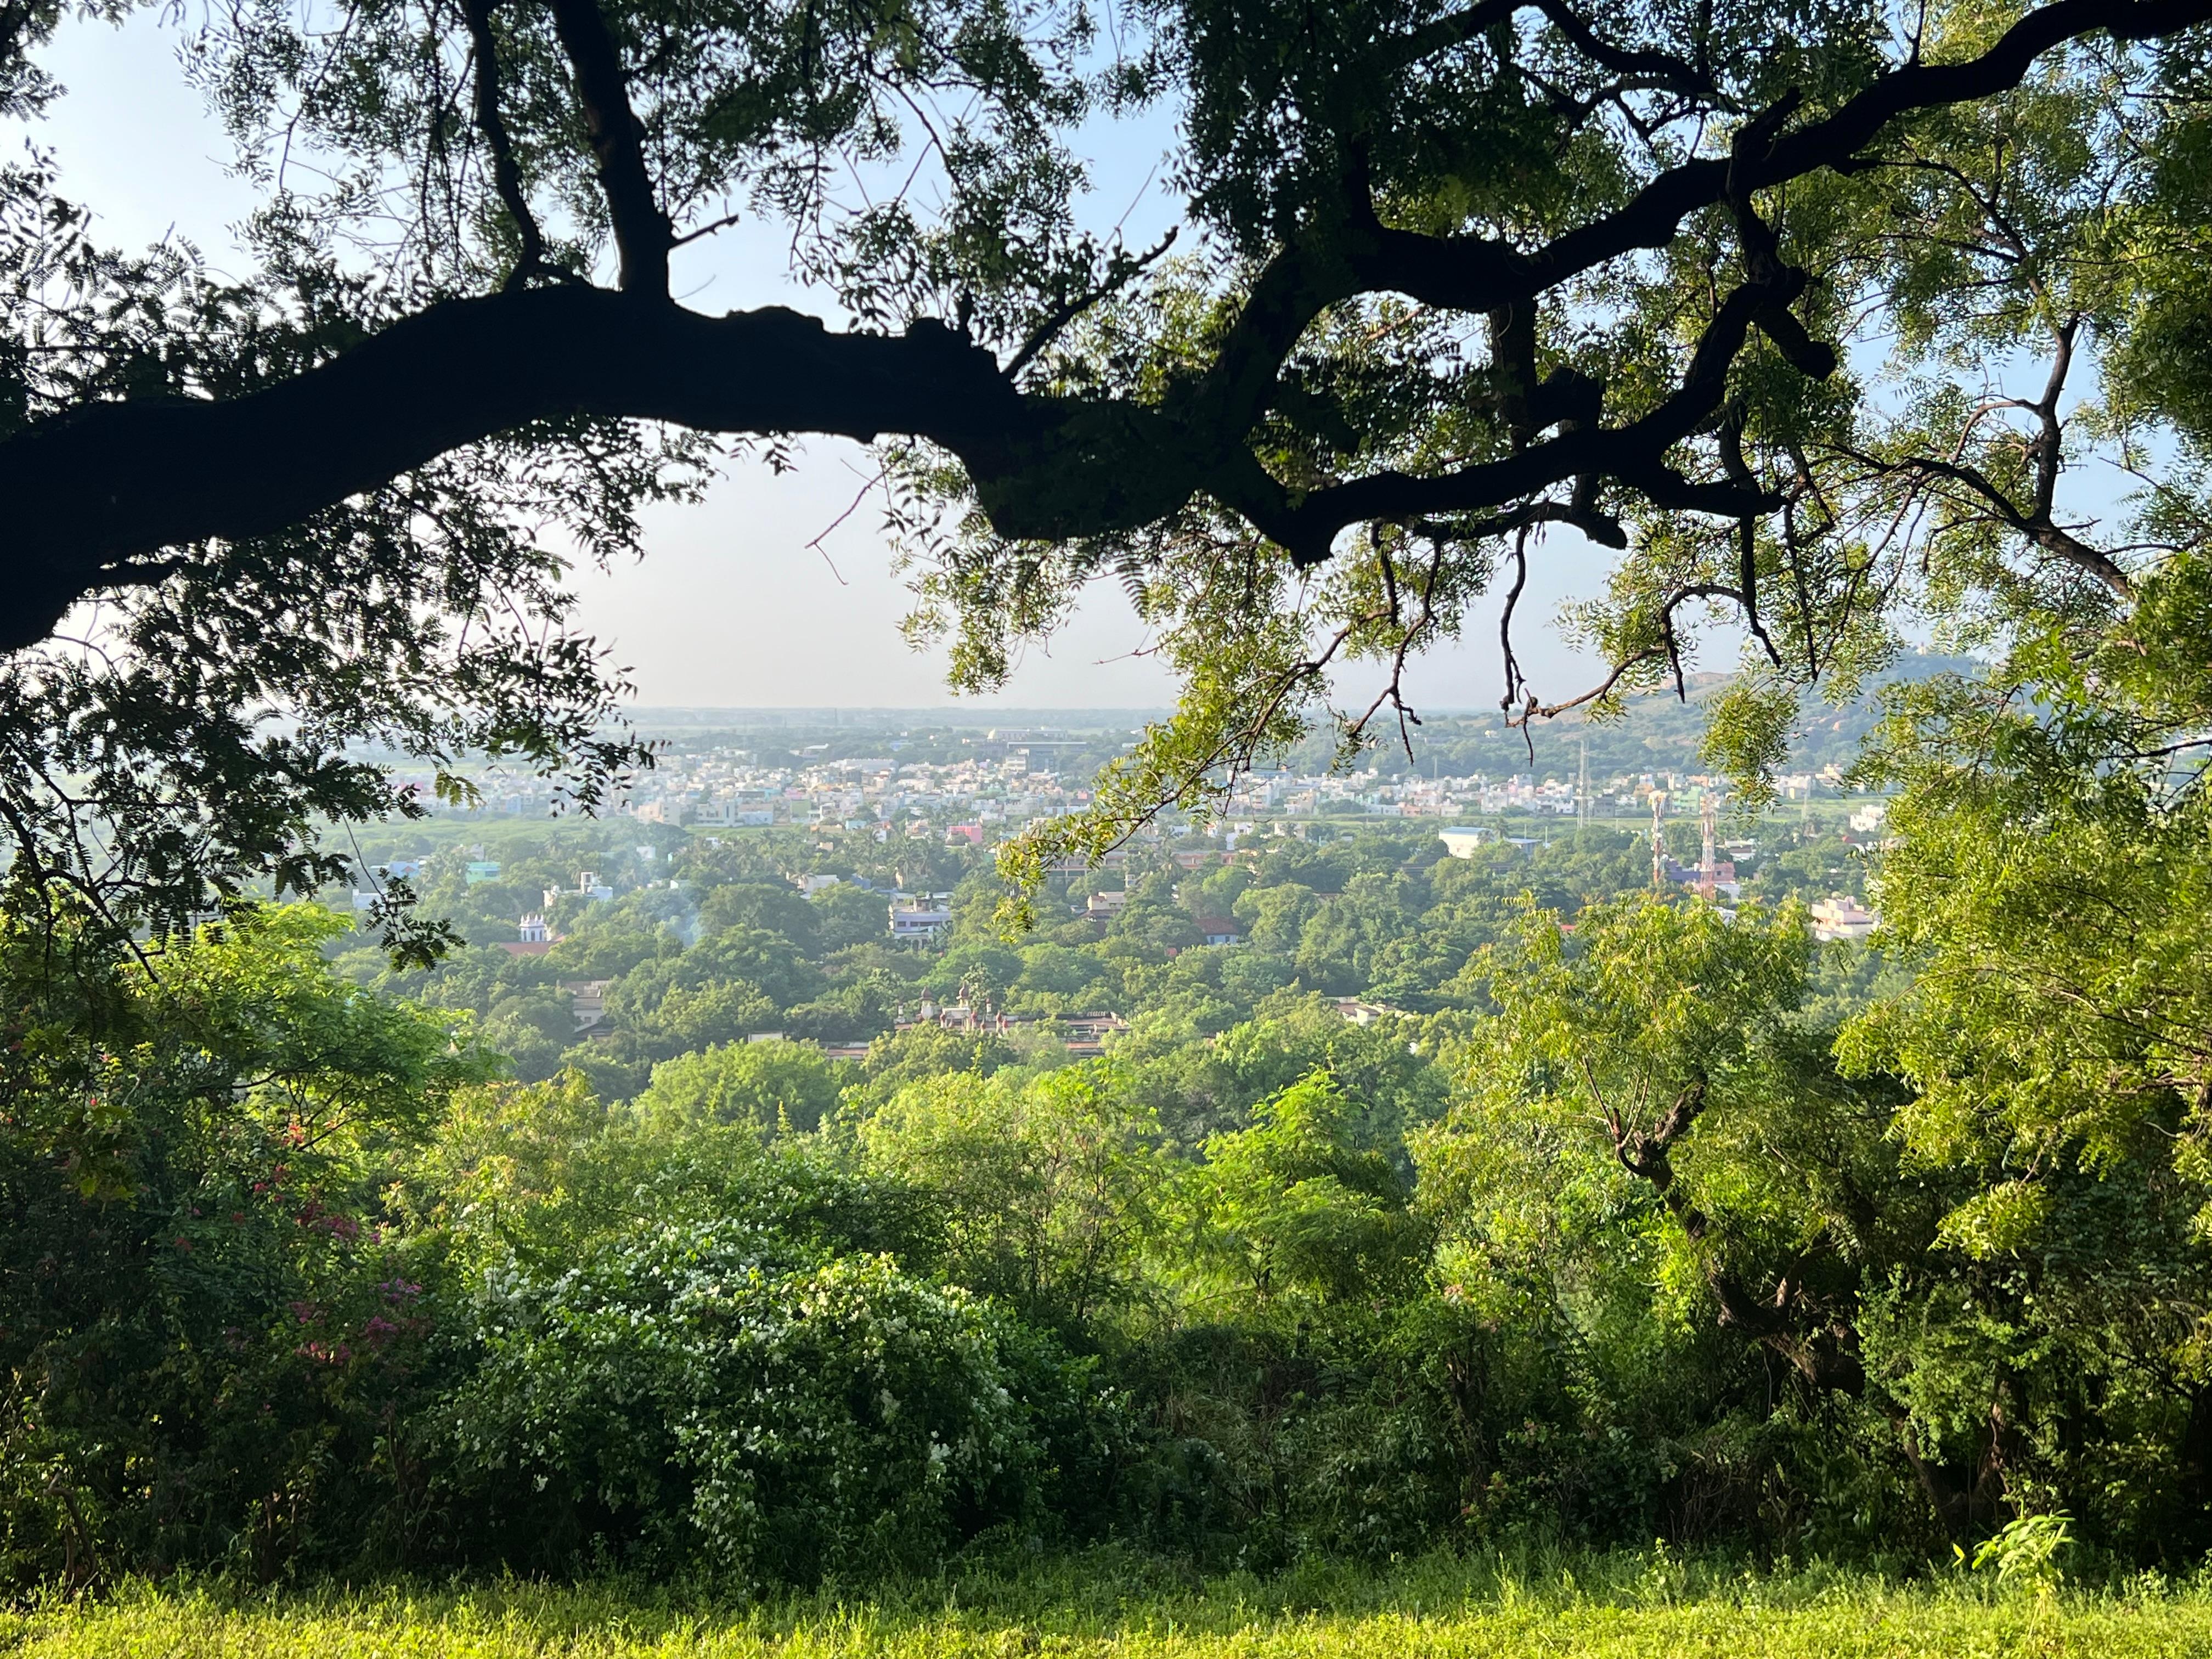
column 1658, row 840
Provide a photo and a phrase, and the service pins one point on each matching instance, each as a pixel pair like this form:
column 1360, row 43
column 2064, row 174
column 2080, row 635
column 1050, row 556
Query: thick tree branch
column 642, row 235
column 92, row 490
column 1483, row 273
column 1825, row 1355
column 2049, row 444
column 1340, row 256
column 1453, row 29
column 1660, row 68
column 1634, row 453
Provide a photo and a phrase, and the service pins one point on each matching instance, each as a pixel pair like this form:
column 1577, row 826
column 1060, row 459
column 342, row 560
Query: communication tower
column 1709, row 868
column 1581, row 797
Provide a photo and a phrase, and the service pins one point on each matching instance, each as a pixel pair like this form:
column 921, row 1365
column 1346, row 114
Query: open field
column 1619, row 1608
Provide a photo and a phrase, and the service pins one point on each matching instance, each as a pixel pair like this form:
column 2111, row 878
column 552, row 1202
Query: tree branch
column 2035, row 526
column 507, row 177
column 1121, row 269
column 1482, row 273
column 1634, row 453
column 1454, row 29
column 1660, row 68
column 642, row 234
column 1826, row 1356
column 93, row 490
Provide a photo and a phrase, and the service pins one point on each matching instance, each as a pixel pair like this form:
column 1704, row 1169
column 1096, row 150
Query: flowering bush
column 208, row 1358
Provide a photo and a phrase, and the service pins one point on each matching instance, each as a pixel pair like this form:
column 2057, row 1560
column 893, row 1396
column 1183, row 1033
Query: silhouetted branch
column 642, row 235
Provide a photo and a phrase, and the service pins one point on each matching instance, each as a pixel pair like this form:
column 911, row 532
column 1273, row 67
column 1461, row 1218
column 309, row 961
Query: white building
column 922, row 916
column 1838, row 917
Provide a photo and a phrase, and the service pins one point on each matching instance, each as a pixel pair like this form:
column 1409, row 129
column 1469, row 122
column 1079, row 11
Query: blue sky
column 731, row 605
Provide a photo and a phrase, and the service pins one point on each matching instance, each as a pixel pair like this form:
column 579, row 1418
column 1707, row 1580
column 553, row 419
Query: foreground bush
column 677, row 1400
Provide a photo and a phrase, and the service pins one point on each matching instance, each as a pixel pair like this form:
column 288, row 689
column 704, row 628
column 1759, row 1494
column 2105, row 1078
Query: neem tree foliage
column 1818, row 311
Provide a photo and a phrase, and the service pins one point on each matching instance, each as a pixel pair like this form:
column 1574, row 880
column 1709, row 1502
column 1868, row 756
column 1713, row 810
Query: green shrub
column 680, row 1398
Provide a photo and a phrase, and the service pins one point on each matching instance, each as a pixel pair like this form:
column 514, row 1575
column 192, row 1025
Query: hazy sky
column 732, row 606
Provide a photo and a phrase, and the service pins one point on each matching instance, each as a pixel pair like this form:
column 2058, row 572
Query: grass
column 1584, row 1607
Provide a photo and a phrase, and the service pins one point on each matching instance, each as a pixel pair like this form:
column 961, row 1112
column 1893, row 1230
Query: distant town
column 979, row 784
column 902, row 807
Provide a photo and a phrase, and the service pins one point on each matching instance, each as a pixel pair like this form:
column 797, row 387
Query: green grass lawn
column 1607, row 1607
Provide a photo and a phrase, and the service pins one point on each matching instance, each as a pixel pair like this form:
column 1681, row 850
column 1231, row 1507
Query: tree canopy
column 1833, row 318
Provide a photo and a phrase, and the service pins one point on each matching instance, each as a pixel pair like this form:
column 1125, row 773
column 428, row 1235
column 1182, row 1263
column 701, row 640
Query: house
column 952, row 1017
column 920, row 917
column 480, row 870
column 1359, row 1013
column 1106, row 905
column 1112, row 860
column 1839, row 917
column 588, row 1000
column 1461, row 840
column 1086, row 1034
column 1221, row 930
